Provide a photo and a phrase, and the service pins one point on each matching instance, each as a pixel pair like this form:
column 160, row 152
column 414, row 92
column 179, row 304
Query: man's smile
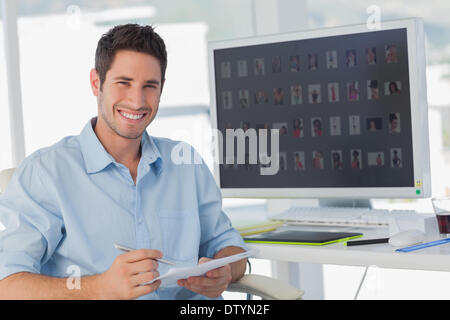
column 132, row 115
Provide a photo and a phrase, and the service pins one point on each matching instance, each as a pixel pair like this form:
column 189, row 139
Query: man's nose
column 136, row 97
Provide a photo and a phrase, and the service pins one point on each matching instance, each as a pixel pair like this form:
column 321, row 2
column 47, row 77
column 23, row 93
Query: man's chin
column 130, row 135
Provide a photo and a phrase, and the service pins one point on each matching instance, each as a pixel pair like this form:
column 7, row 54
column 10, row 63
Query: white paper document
column 175, row 274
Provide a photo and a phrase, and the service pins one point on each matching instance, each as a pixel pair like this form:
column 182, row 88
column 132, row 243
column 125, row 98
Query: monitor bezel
column 419, row 115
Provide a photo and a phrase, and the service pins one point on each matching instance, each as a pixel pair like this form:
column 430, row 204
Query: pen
column 368, row 241
column 126, row 249
column 424, row 245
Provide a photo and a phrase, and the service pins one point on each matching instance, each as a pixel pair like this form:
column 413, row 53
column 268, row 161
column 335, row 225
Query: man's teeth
column 131, row 116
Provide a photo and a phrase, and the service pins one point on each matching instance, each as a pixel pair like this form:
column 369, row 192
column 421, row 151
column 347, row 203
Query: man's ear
column 95, row 82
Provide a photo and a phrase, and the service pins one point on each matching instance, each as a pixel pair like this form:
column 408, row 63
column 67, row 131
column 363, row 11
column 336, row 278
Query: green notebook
column 315, row 238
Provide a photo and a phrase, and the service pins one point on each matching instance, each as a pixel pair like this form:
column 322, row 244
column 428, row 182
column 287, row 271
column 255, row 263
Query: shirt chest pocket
column 180, row 233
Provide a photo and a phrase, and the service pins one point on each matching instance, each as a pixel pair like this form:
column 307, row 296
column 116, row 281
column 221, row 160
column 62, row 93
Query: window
column 57, row 99
column 5, row 140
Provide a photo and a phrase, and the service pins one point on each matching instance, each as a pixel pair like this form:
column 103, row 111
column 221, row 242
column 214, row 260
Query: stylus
column 125, row 249
column 368, row 241
column 424, row 245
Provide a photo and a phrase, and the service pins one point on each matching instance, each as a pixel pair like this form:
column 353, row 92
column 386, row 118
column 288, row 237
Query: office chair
column 265, row 287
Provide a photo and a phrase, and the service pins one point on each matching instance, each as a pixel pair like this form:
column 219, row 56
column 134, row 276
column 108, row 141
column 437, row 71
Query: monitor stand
column 352, row 203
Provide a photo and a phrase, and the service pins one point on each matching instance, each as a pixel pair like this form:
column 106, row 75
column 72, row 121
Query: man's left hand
column 211, row 285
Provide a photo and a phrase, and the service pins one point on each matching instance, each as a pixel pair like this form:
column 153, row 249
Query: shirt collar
column 96, row 158
column 150, row 153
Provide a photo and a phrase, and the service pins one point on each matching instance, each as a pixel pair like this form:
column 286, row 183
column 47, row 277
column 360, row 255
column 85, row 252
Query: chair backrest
column 5, row 177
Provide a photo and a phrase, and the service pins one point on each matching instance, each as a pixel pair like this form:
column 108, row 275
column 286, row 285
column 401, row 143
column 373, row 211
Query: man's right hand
column 129, row 271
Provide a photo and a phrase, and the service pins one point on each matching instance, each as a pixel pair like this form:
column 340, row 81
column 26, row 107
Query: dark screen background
column 386, row 171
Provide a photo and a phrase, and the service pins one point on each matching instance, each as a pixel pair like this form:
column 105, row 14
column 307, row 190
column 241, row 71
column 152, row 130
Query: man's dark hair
column 129, row 37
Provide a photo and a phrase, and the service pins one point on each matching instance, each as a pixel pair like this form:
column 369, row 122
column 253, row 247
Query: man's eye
column 149, row 86
column 123, row 83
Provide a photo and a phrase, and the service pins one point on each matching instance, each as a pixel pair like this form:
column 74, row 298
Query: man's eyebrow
column 123, row 78
column 152, row 82
column 131, row 79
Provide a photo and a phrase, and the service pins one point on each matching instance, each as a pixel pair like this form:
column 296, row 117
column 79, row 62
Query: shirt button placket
column 142, row 237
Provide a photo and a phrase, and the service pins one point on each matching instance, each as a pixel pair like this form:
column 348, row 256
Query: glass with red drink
column 441, row 208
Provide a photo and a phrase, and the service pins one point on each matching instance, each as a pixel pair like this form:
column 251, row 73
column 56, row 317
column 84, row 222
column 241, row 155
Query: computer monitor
column 350, row 104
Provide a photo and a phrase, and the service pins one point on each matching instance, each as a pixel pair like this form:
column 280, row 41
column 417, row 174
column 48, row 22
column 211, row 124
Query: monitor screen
column 342, row 105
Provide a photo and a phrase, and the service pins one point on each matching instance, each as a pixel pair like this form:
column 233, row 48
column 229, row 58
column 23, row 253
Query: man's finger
column 202, row 281
column 144, row 277
column 197, row 283
column 219, row 272
column 141, row 254
column 203, row 260
column 206, row 282
column 146, row 289
column 145, row 265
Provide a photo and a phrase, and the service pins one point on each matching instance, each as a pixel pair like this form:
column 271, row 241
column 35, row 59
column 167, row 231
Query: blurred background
column 57, row 41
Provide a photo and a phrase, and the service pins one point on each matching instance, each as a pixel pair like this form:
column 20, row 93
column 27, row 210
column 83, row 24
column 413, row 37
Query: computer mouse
column 407, row 238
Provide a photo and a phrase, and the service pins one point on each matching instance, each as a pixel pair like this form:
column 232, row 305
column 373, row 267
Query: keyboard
column 333, row 216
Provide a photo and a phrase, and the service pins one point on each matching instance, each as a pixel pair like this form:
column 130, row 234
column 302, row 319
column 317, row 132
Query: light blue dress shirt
column 67, row 205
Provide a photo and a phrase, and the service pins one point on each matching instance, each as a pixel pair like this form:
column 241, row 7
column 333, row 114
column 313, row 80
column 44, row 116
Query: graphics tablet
column 315, row 238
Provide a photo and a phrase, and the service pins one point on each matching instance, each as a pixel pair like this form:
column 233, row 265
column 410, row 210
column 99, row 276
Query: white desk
column 382, row 255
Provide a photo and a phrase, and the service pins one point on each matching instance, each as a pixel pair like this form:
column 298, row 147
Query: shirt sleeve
column 216, row 229
column 31, row 228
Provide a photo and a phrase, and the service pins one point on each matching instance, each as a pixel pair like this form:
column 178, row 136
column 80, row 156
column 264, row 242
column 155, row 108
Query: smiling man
column 68, row 204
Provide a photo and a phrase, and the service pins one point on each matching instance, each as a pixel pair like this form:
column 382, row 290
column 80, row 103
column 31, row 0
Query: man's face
column 130, row 94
